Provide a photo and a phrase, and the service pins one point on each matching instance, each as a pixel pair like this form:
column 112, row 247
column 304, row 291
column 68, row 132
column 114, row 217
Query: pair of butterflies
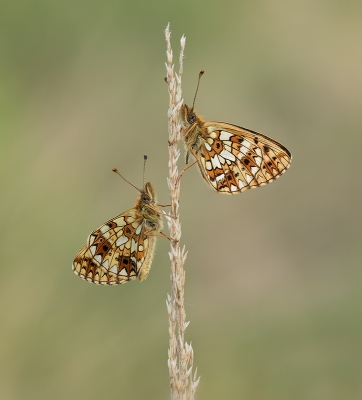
column 231, row 160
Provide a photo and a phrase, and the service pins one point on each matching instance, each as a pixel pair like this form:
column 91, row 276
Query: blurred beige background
column 273, row 286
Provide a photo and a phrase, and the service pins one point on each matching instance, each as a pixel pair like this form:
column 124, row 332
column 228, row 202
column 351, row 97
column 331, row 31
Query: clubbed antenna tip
column 117, row 172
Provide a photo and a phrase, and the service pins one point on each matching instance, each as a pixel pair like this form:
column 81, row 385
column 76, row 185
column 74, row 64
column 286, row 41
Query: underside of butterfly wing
column 116, row 252
column 233, row 159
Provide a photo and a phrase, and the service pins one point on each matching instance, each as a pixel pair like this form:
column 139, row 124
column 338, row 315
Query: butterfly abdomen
column 146, row 266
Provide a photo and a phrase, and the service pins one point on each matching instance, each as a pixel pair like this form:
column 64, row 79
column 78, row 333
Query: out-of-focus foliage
column 273, row 286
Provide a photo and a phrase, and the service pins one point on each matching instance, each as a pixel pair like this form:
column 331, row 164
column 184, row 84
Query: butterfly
column 232, row 159
column 122, row 249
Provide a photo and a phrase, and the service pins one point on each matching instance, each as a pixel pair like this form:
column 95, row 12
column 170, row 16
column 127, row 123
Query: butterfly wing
column 116, row 251
column 233, row 159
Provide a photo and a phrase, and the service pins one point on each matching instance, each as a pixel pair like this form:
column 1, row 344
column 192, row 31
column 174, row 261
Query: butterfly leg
column 160, row 212
column 168, row 215
column 187, row 157
column 184, row 170
column 160, row 234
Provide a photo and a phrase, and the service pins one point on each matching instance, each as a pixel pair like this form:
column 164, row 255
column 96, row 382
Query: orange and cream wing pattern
column 116, row 252
column 233, row 159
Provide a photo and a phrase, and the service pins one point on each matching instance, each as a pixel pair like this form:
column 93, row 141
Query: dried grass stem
column 180, row 354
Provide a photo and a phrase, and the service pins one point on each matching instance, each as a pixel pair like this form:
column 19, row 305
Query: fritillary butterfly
column 232, row 159
column 122, row 249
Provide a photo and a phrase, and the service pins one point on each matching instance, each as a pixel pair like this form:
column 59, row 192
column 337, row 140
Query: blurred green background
column 273, row 286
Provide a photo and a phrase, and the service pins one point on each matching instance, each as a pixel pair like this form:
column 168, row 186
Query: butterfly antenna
column 144, row 171
column 197, row 88
column 117, row 172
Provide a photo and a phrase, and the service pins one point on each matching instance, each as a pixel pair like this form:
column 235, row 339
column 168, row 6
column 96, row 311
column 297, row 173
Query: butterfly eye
column 151, row 224
column 145, row 198
column 191, row 118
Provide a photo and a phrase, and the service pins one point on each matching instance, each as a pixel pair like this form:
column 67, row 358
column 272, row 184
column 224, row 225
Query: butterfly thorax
column 147, row 209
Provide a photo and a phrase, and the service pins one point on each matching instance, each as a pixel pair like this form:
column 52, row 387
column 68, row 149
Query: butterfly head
column 148, row 194
column 146, row 203
column 188, row 115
